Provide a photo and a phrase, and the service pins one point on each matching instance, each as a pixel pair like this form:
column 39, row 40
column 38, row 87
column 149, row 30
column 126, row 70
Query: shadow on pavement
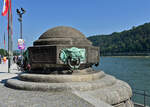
column 4, row 80
column 3, row 72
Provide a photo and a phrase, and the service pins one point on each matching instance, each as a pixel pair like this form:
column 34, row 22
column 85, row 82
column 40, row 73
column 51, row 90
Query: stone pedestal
column 45, row 56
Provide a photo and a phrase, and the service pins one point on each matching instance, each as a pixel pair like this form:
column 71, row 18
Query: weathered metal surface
column 73, row 57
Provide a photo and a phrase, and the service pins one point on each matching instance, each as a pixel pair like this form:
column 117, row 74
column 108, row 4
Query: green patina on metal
column 76, row 55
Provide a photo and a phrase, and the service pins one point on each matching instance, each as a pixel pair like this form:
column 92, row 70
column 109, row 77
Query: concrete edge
column 93, row 101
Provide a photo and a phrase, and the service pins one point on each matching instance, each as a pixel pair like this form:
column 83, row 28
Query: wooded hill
column 3, row 52
column 135, row 41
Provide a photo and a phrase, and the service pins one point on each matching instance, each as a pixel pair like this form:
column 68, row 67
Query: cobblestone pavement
column 19, row 98
column 4, row 71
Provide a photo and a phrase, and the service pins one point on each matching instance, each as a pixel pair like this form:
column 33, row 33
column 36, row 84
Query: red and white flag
column 5, row 7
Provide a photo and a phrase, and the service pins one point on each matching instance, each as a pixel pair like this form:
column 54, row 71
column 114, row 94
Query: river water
column 134, row 70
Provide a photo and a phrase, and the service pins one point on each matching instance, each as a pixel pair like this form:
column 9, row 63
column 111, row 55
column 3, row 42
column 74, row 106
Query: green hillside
column 135, row 41
column 3, row 52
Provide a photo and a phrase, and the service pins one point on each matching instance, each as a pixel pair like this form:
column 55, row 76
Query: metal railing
column 141, row 93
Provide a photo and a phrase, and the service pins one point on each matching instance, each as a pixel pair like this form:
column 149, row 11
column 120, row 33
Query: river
column 134, row 70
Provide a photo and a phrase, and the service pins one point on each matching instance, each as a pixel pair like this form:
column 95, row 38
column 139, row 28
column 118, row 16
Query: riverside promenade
column 4, row 71
column 20, row 98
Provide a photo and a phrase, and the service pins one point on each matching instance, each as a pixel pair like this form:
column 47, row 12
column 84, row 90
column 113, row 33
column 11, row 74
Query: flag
column 4, row 40
column 5, row 7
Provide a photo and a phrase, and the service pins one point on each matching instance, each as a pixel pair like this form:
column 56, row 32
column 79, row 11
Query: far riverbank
column 125, row 54
column 129, row 56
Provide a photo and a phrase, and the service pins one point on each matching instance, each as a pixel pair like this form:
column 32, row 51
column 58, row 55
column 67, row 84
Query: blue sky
column 91, row 17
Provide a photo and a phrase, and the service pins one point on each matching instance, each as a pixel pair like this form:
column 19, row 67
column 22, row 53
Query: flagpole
column 4, row 41
column 4, row 45
column 10, row 53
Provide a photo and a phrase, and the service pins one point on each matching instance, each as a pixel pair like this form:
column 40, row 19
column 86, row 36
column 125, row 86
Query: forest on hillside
column 3, row 52
column 128, row 42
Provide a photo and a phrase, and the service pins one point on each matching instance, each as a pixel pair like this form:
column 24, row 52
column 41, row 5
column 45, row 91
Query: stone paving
column 16, row 98
column 4, row 71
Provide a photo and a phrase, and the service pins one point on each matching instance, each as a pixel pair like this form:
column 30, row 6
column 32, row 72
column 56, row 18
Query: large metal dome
column 62, row 35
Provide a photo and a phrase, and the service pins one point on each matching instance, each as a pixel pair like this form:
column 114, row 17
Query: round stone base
column 53, row 78
column 67, row 86
column 96, row 86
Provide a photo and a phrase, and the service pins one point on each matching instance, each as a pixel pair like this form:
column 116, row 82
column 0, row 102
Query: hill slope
column 133, row 41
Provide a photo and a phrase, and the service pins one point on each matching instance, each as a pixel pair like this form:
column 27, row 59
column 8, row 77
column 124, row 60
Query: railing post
column 144, row 99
